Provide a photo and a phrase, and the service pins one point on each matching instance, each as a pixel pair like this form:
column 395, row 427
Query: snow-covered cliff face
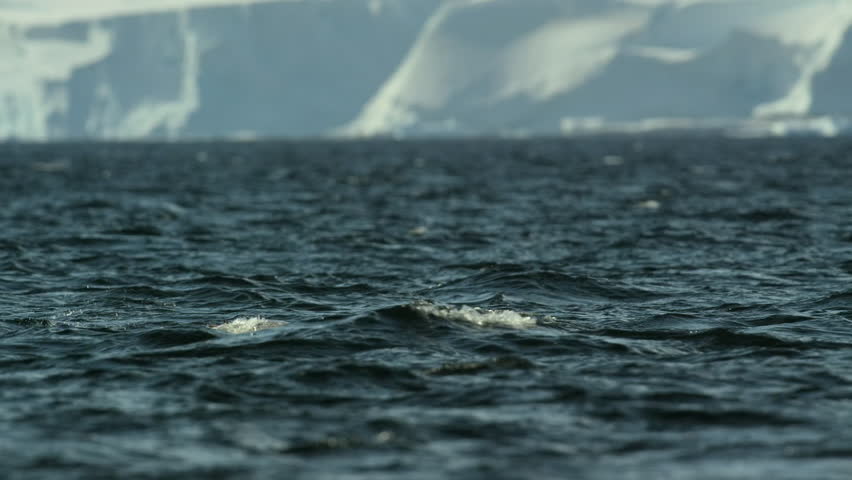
column 582, row 65
column 221, row 68
column 253, row 68
column 832, row 87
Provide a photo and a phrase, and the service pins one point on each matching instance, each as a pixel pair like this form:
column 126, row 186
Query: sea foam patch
column 481, row 317
column 242, row 325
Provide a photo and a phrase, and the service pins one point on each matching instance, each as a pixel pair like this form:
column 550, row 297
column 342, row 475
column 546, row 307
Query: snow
column 535, row 59
column 632, row 66
column 53, row 12
column 27, row 67
column 169, row 115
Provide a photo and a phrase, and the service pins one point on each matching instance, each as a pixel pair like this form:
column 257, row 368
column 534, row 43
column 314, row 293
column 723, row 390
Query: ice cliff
column 244, row 68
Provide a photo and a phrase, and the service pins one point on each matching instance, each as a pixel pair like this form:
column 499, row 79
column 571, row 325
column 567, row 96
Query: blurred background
column 173, row 69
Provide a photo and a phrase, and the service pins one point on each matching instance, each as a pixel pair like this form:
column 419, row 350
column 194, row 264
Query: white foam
column 243, row 325
column 649, row 204
column 480, row 317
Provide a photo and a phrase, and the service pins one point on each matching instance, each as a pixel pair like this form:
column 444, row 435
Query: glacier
column 175, row 69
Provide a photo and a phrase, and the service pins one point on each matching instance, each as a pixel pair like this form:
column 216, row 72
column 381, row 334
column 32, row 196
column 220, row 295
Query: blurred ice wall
column 247, row 68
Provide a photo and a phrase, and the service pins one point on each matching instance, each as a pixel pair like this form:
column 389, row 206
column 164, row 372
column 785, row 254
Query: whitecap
column 241, row 325
column 649, row 204
column 481, row 317
column 613, row 160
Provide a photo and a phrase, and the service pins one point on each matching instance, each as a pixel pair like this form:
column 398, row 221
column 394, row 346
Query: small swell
column 778, row 319
column 548, row 284
column 770, row 215
column 837, row 300
column 136, row 231
column 175, row 337
column 506, row 362
column 221, row 280
column 695, row 416
column 719, row 337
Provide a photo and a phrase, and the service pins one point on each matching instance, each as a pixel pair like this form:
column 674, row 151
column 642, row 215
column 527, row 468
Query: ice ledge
column 827, row 126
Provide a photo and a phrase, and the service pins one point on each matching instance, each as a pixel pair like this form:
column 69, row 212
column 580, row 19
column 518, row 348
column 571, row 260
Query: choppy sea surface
column 602, row 308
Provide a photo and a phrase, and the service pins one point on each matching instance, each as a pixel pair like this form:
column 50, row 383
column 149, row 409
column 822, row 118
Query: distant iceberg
column 570, row 67
column 256, row 68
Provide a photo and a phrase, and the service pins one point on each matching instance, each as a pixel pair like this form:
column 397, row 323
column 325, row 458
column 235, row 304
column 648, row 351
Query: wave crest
column 242, row 325
column 481, row 317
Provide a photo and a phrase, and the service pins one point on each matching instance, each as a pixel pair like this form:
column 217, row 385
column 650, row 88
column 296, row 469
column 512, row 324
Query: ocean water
column 601, row 308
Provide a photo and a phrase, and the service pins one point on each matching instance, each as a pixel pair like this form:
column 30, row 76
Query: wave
column 726, row 338
column 545, row 286
column 505, row 362
column 837, row 300
column 481, row 317
column 243, row 325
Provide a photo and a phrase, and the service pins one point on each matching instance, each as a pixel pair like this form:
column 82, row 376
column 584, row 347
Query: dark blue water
column 593, row 308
